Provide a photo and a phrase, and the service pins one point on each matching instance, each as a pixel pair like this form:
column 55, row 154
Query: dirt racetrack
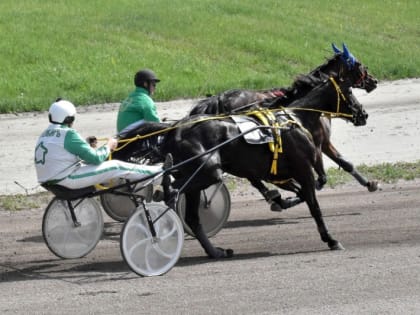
column 280, row 264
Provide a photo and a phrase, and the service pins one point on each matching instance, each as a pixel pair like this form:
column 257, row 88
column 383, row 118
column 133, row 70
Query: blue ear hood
column 335, row 49
column 346, row 55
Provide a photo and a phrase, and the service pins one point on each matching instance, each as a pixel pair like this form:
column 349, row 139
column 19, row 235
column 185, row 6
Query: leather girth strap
column 267, row 118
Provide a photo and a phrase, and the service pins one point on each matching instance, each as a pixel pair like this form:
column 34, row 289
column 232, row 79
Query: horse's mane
column 309, row 80
column 313, row 78
column 327, row 64
column 317, row 93
column 301, row 85
column 206, row 105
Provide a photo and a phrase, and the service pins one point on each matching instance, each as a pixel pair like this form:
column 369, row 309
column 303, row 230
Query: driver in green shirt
column 139, row 104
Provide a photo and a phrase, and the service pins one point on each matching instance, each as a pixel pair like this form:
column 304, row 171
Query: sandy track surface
column 280, row 265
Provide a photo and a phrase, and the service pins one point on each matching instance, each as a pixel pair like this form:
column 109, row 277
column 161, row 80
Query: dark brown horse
column 344, row 64
column 204, row 147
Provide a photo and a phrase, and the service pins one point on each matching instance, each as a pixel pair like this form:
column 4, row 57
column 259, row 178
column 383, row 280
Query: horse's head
column 348, row 106
column 332, row 96
column 350, row 67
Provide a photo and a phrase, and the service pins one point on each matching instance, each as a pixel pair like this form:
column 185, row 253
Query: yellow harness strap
column 269, row 119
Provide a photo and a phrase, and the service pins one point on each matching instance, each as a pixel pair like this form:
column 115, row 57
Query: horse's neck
column 240, row 100
column 331, row 66
column 308, row 119
column 206, row 106
column 310, row 108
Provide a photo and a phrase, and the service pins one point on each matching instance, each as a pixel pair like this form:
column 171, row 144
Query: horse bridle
column 361, row 80
column 356, row 112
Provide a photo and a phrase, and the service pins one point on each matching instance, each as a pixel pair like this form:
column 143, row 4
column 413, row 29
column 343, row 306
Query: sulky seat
column 65, row 193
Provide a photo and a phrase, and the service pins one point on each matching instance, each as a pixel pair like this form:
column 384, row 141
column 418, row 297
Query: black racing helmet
column 145, row 75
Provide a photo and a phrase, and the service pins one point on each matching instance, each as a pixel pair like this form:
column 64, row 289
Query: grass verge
column 88, row 51
column 384, row 173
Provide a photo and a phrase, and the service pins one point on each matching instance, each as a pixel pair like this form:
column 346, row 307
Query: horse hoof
column 223, row 253
column 372, row 186
column 290, row 202
column 336, row 246
column 276, row 207
column 272, row 194
column 320, row 182
column 228, row 253
column 318, row 185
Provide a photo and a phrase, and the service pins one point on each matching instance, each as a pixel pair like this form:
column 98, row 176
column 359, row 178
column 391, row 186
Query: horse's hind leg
column 334, row 155
column 193, row 221
column 273, row 197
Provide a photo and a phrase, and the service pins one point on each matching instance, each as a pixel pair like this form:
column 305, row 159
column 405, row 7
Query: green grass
column 88, row 51
column 25, row 202
column 384, row 173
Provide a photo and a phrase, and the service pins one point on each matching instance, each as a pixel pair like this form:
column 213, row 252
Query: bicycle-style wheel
column 147, row 255
column 214, row 209
column 120, row 207
column 63, row 237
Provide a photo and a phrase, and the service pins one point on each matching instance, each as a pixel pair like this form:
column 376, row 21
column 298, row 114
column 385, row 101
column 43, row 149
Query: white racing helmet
column 62, row 112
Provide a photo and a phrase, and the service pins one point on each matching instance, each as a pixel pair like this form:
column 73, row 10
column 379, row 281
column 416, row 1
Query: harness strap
column 339, row 93
column 269, row 119
column 252, row 112
column 266, row 116
column 279, row 182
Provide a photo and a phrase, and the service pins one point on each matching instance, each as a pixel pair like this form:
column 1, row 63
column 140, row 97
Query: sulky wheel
column 67, row 238
column 147, row 255
column 214, row 209
column 120, row 207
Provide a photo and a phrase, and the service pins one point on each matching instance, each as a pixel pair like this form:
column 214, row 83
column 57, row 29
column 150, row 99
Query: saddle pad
column 257, row 136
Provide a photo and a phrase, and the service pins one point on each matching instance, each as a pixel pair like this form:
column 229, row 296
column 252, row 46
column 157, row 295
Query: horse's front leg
column 334, row 155
column 192, row 219
column 308, row 194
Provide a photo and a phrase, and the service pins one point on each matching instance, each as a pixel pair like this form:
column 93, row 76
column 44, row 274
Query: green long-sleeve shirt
column 137, row 106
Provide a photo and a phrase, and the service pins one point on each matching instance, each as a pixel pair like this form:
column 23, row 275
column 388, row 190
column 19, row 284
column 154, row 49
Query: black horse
column 345, row 65
column 204, row 147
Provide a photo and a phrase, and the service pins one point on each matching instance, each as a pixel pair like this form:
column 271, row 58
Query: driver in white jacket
column 63, row 157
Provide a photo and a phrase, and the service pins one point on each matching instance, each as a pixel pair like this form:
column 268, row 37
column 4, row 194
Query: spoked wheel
column 66, row 239
column 120, row 207
column 214, row 209
column 147, row 255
